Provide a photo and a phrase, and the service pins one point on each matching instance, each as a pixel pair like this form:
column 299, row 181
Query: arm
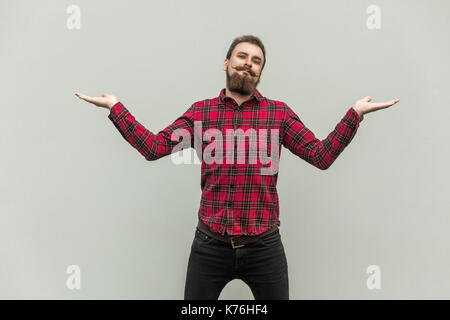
column 151, row 146
column 320, row 153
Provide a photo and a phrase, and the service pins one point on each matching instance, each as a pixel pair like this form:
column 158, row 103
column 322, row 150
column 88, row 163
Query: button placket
column 236, row 122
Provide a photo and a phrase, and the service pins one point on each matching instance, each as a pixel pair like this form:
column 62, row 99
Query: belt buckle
column 233, row 245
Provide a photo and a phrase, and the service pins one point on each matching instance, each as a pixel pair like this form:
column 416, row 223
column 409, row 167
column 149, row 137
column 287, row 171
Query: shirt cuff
column 355, row 116
column 352, row 118
column 117, row 111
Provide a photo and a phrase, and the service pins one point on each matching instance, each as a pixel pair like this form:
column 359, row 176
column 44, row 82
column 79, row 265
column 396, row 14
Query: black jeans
column 262, row 265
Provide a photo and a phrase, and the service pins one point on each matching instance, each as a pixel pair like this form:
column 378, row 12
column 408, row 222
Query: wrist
column 111, row 105
column 359, row 112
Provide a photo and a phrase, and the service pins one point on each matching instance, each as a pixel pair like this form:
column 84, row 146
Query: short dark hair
column 247, row 38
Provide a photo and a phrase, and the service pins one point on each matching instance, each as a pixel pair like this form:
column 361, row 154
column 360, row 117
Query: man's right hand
column 105, row 101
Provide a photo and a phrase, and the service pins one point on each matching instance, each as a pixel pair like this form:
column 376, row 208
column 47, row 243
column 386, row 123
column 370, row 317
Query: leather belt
column 235, row 241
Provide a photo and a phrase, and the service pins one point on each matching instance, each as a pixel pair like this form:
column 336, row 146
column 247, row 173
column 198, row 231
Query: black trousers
column 262, row 265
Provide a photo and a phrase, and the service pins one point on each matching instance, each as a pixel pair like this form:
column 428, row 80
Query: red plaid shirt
column 236, row 197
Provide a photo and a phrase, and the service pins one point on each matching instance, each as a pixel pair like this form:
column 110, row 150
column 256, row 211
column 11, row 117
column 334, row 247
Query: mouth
column 244, row 70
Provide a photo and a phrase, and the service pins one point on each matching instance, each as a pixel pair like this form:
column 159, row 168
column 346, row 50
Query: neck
column 239, row 98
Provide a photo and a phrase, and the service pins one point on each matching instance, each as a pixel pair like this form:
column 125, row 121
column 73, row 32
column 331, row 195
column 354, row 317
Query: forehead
column 249, row 48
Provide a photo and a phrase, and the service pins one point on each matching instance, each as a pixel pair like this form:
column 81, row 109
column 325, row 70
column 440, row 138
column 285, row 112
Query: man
column 237, row 236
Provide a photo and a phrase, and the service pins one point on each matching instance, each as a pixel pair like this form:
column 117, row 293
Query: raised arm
column 151, row 146
column 322, row 153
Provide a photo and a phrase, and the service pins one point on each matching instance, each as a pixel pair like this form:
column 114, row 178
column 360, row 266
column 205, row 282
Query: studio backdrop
column 83, row 215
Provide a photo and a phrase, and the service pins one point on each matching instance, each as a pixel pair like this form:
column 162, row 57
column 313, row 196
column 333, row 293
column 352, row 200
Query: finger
column 367, row 98
column 393, row 101
column 86, row 98
column 384, row 104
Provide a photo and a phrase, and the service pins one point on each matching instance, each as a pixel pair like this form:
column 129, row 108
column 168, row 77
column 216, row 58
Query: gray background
column 74, row 192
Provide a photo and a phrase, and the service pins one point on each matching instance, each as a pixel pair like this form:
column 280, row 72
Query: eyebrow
column 246, row 54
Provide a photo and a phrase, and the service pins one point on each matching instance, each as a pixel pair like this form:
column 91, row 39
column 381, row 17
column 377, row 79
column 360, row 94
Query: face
column 243, row 69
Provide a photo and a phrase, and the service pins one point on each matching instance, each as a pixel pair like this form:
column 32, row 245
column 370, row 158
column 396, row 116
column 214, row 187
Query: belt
column 235, row 241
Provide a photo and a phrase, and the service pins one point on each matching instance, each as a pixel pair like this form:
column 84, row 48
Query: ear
column 225, row 64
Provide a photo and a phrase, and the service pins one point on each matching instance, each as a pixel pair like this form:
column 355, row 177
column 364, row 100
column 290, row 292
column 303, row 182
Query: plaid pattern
column 236, row 197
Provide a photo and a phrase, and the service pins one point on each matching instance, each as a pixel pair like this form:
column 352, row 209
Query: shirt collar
column 256, row 95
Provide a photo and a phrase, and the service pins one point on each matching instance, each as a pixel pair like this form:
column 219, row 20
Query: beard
column 243, row 84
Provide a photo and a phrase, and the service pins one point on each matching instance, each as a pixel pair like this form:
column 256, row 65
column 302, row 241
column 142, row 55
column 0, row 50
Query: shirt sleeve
column 320, row 153
column 152, row 146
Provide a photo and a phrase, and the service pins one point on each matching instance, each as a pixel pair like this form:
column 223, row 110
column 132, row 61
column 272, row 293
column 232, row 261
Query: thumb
column 367, row 99
column 104, row 95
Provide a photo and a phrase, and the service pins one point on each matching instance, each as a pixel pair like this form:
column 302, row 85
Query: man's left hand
column 364, row 105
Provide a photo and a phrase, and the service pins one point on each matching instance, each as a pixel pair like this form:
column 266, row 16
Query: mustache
column 239, row 68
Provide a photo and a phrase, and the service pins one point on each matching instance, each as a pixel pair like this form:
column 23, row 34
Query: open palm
column 105, row 101
column 365, row 106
